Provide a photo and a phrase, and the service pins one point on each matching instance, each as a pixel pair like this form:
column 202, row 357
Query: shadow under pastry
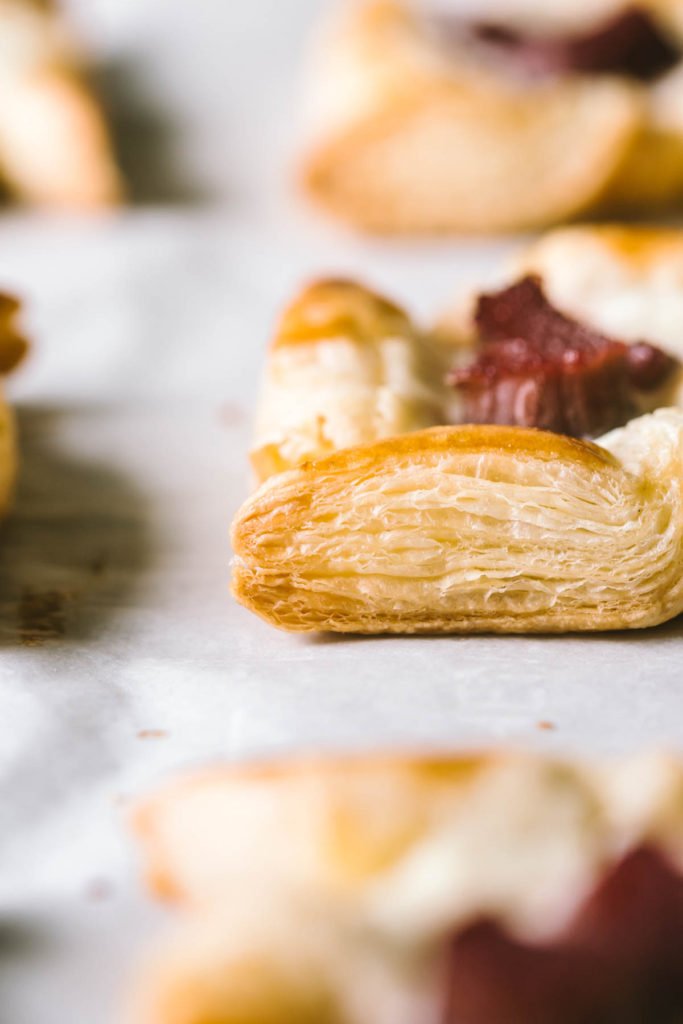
column 21, row 940
column 146, row 138
column 75, row 545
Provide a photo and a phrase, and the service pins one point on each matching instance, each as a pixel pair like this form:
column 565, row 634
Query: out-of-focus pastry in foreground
column 447, row 483
column 54, row 145
column 430, row 117
column 494, row 889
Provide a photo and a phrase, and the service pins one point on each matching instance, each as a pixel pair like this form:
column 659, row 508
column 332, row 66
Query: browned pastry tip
column 466, row 440
column 331, row 307
column 638, row 245
column 346, row 365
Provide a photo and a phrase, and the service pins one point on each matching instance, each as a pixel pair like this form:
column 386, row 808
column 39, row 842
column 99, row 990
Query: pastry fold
column 346, row 366
column 412, row 132
column 470, row 529
column 332, row 889
column 54, row 145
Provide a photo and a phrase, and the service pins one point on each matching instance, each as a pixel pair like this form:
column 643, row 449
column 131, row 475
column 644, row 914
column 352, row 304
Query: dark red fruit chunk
column 620, row 962
column 648, row 366
column 537, row 367
column 630, row 43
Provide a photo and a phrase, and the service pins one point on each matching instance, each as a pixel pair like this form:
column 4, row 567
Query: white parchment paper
column 122, row 657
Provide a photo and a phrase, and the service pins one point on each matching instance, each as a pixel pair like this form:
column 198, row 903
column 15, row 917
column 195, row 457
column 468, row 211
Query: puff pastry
column 472, row 889
column 406, row 134
column 346, row 366
column 370, row 520
column 13, row 348
column 54, row 146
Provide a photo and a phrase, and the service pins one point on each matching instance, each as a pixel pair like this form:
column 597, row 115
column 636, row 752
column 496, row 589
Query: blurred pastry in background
column 430, row 117
column 493, row 889
column 54, row 145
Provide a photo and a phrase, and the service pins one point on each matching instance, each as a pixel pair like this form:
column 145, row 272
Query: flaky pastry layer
column 463, row 529
column 371, row 519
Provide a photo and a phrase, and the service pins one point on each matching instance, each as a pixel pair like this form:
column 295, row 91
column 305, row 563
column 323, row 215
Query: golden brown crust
column 469, row 439
column 368, row 523
column 13, row 348
column 517, row 442
column 13, row 344
column 573, row 142
column 346, row 366
column 650, row 180
column 412, row 534
column 639, row 246
column 331, row 308
column 195, row 980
